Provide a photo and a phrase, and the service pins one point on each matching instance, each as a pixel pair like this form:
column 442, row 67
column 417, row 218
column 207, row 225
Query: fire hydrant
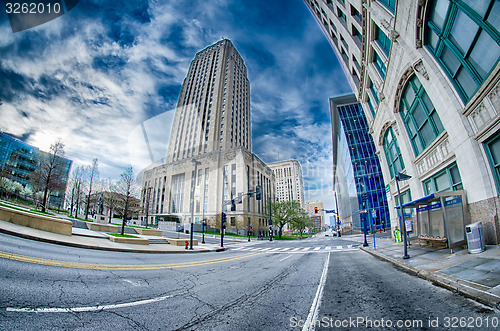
column 186, row 245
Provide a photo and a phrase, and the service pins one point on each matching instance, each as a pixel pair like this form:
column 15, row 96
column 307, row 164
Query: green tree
column 283, row 213
column 301, row 221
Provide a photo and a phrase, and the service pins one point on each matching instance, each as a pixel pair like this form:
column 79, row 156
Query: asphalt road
column 258, row 286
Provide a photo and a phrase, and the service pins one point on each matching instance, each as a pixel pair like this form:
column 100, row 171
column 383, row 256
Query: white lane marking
column 316, row 248
column 327, row 248
column 339, row 247
column 296, row 249
column 87, row 309
column 306, row 249
column 313, row 313
column 283, row 259
column 286, row 249
column 274, row 249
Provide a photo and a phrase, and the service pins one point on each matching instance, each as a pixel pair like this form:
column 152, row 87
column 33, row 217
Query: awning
column 427, row 200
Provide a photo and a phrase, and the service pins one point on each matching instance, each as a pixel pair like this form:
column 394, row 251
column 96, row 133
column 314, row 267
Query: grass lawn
column 122, row 235
column 31, row 211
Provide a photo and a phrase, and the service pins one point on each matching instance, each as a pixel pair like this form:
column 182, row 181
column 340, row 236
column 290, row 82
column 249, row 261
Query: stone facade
column 289, row 183
column 470, row 118
column 220, row 176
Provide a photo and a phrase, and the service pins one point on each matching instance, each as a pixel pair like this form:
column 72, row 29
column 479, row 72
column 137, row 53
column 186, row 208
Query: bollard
column 186, row 245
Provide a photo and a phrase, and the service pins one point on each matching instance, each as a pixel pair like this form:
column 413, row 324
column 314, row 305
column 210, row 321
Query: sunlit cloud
column 102, row 75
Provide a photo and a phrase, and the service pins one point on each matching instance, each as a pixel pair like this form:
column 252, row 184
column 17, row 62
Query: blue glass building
column 19, row 160
column 358, row 180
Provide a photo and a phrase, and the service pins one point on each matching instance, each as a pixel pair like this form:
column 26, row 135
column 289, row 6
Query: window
column 405, row 198
column 370, row 105
column 390, row 4
column 382, row 40
column 355, row 13
column 374, row 92
column 177, row 193
column 447, row 180
column 341, row 15
column 421, row 119
column 493, row 151
column 464, row 38
column 379, row 64
column 392, row 153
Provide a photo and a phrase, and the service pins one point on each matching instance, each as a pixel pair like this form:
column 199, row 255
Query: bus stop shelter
column 440, row 217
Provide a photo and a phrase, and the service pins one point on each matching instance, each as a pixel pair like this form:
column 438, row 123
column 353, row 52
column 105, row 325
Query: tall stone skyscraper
column 213, row 111
column 209, row 159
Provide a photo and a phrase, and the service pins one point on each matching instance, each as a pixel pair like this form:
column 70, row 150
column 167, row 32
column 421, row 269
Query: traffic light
column 258, row 194
column 223, row 218
column 315, row 210
column 250, row 227
column 233, row 204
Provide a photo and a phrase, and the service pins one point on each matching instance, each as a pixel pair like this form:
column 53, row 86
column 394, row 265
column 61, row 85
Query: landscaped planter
column 149, row 232
column 180, row 242
column 102, row 227
column 124, row 240
column 45, row 223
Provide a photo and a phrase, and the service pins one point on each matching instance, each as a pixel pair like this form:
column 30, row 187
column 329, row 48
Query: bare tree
column 111, row 198
column 49, row 175
column 75, row 189
column 128, row 191
column 92, row 173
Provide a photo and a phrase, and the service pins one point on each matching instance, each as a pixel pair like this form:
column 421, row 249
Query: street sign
column 374, row 213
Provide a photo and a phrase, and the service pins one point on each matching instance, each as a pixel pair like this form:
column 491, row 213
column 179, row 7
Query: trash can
column 475, row 237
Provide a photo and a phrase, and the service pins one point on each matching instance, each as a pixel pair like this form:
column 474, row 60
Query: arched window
column 463, row 36
column 419, row 115
column 392, row 153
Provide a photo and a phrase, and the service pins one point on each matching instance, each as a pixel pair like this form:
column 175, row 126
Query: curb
column 468, row 289
column 113, row 249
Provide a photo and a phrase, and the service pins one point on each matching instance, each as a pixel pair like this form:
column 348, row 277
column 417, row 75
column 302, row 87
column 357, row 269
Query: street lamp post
column 148, row 194
column 203, row 224
column 337, row 217
column 401, row 177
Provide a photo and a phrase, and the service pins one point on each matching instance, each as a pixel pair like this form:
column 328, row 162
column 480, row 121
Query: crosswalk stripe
column 318, row 249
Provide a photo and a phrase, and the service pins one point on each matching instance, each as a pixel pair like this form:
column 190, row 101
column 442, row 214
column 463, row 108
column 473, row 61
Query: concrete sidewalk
column 83, row 238
column 476, row 276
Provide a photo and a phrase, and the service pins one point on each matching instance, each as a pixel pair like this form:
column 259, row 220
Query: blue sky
column 92, row 76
